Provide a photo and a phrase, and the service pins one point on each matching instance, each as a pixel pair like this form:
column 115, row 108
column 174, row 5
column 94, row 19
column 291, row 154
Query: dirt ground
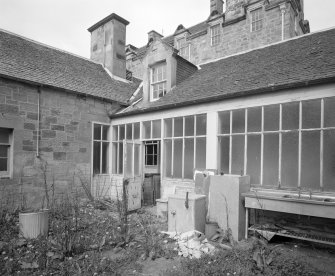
column 95, row 245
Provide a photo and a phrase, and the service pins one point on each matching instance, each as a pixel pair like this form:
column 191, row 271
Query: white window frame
column 215, row 34
column 155, row 154
column 101, row 141
column 183, row 137
column 183, row 47
column 160, row 83
column 256, row 19
column 280, row 131
column 9, row 145
column 117, row 140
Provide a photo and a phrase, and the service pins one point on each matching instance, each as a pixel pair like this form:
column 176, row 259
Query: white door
column 132, row 171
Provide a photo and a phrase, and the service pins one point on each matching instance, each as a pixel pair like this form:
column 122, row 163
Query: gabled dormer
column 181, row 42
column 163, row 69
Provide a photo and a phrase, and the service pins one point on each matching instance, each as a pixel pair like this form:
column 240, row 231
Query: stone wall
column 65, row 138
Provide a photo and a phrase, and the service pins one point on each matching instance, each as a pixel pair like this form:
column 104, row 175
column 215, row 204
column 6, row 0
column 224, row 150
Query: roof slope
column 294, row 63
column 30, row 61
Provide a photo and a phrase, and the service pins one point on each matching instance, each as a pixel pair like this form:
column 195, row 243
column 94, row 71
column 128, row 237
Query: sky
column 63, row 23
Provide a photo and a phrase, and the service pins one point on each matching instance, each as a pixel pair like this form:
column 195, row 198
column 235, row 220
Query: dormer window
column 158, row 81
column 215, row 35
column 183, row 47
column 256, row 20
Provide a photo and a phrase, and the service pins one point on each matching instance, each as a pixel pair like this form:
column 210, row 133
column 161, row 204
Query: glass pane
column 129, row 134
column 104, row 167
column 189, row 158
column 115, row 133
column 149, row 149
column 156, row 132
column 237, row 158
column 137, row 160
column 178, row 127
column 189, row 126
column 310, row 160
column 271, row 160
column 177, row 159
column 224, row 122
column 254, row 158
column 146, row 132
column 311, row 114
column 3, row 151
column 290, row 116
column 201, row 124
column 329, row 161
column 200, row 158
column 96, row 157
column 168, row 127
column 120, row 158
column 4, row 135
column 105, row 132
column 224, row 155
column 329, row 112
column 97, row 132
column 148, row 160
column 290, row 155
column 168, row 157
column 114, row 158
column 3, row 164
column 136, row 131
column 129, row 160
column 271, row 117
column 254, row 119
column 121, row 132
column 239, row 121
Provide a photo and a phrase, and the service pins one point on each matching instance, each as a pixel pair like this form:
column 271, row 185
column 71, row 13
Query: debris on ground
column 192, row 244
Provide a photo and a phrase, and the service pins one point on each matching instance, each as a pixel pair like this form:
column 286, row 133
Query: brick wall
column 65, row 140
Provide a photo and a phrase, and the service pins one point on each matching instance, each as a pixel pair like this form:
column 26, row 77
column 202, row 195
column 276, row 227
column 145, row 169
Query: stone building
column 245, row 92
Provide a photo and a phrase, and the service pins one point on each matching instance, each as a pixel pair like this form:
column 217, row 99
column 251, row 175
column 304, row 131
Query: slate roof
column 27, row 60
column 298, row 62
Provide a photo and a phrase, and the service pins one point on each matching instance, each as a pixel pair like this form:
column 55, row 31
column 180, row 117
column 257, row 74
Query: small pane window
column 215, row 35
column 224, row 122
column 100, row 149
column 201, row 124
column 239, row 121
column 158, row 81
column 183, row 48
column 256, row 19
column 151, row 154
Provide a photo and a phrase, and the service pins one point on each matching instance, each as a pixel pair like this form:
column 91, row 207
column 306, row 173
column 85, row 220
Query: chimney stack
column 108, row 40
column 216, row 5
column 153, row 35
column 234, row 9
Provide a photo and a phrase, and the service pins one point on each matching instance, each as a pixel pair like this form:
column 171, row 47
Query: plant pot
column 34, row 224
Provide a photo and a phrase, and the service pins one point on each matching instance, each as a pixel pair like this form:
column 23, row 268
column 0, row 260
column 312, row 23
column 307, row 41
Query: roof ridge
column 47, row 46
column 266, row 46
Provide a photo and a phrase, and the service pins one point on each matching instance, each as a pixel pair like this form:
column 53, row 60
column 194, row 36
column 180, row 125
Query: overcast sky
column 63, row 23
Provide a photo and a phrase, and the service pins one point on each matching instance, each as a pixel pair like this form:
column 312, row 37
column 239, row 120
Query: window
column 5, row 152
column 100, row 149
column 151, row 130
column 151, row 153
column 215, row 35
column 158, row 81
column 120, row 133
column 256, row 20
column 183, row 47
column 288, row 145
column 184, row 146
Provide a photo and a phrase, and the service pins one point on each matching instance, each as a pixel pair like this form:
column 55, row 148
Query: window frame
column 155, row 154
column 183, row 47
column 158, row 82
column 215, row 36
column 300, row 130
column 173, row 138
column 101, row 141
column 256, row 19
column 116, row 141
column 8, row 173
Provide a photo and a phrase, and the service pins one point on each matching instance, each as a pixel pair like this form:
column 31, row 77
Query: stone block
column 9, row 109
column 57, row 127
column 29, row 126
column 50, row 120
column 32, row 116
column 82, row 150
column 27, row 142
column 48, row 133
column 59, row 155
column 28, row 148
column 226, row 203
